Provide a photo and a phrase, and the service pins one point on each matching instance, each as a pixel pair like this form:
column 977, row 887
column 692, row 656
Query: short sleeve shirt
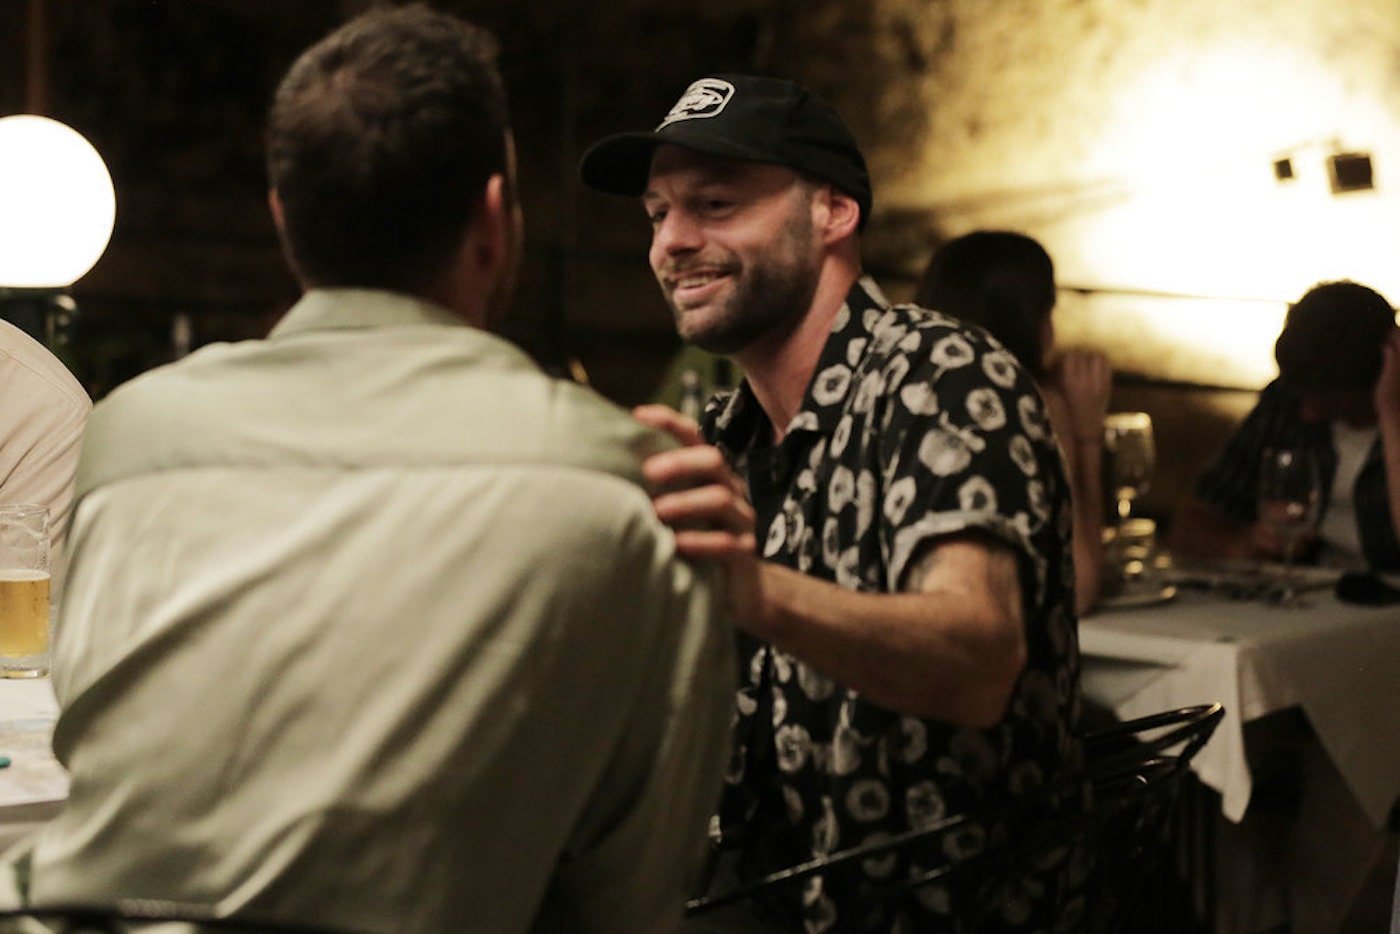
column 915, row 426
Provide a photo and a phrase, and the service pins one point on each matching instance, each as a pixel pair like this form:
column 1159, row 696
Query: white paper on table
column 33, row 775
column 29, row 699
column 28, row 711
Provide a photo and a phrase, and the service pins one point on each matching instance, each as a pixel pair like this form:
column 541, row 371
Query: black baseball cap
column 740, row 117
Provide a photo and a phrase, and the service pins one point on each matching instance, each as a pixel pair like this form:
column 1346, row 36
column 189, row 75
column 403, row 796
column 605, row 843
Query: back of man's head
column 1332, row 338
column 380, row 141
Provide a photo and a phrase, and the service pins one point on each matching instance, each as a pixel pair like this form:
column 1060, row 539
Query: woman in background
column 1005, row 282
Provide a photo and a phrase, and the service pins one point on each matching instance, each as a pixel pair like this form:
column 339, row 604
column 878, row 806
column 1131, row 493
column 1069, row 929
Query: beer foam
column 23, row 574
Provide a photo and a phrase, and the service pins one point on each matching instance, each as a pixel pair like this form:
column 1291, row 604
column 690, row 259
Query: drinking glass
column 1129, row 549
column 1127, row 439
column 24, row 590
column 1289, row 500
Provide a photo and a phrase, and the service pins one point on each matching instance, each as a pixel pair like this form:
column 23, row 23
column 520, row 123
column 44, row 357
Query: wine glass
column 1132, row 455
column 1289, row 499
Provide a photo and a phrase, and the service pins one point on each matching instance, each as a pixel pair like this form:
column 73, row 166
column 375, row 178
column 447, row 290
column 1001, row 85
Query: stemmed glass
column 1132, row 455
column 1289, row 499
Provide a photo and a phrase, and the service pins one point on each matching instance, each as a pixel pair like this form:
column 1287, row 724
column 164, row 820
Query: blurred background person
column 41, row 431
column 1005, row 282
column 1337, row 401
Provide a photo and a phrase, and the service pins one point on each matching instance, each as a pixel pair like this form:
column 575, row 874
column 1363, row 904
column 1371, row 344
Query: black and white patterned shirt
column 915, row 426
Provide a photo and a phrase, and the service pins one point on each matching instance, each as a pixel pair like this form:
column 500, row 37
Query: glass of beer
column 24, row 590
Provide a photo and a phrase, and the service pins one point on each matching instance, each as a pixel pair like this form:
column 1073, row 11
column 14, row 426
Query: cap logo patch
column 704, row 98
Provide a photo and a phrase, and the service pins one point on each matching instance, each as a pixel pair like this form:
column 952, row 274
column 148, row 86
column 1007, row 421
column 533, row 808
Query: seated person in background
column 41, row 432
column 1338, row 396
column 375, row 628
column 1005, row 282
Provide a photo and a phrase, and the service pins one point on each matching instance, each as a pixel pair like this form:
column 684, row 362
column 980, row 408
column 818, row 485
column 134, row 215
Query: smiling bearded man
column 730, row 296
column 907, row 622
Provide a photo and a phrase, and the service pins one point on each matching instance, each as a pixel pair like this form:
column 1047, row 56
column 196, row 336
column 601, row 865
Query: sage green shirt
column 371, row 625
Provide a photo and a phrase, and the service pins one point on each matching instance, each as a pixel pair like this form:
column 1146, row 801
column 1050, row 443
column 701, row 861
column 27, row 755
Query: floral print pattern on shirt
column 915, row 426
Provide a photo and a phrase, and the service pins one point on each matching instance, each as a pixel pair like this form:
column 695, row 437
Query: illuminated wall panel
column 1138, row 142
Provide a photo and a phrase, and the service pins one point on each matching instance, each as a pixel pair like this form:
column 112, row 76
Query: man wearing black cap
column 908, row 629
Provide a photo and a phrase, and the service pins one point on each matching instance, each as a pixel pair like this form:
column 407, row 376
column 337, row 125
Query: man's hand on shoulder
column 696, row 493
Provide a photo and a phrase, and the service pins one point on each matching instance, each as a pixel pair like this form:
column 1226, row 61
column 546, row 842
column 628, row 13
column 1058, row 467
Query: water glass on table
column 1130, row 548
column 1131, row 453
column 1289, row 504
column 24, row 590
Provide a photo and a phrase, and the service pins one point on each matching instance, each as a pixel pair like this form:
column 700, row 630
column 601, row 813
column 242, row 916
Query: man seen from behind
column 370, row 625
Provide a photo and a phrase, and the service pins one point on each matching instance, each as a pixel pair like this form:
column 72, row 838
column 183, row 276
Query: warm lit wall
column 1137, row 140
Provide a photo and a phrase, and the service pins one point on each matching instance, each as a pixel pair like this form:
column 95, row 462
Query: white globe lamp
column 57, row 205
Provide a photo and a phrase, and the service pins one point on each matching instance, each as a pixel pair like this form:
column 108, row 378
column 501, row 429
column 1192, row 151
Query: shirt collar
column 741, row 419
column 341, row 309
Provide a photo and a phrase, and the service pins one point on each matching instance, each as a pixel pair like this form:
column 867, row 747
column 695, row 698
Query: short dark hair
column 1332, row 338
column 380, row 142
column 1000, row 280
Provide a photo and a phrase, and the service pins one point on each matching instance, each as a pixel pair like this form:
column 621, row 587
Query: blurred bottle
column 692, row 396
column 181, row 335
column 724, row 375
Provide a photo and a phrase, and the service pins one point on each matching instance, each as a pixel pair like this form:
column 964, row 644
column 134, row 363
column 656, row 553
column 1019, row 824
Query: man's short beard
column 773, row 297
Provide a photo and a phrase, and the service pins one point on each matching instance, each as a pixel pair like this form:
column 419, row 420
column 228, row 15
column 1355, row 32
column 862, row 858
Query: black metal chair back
column 1119, row 808
column 134, row 915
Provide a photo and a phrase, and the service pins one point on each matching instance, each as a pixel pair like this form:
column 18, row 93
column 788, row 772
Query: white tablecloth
column 1339, row 662
column 34, row 785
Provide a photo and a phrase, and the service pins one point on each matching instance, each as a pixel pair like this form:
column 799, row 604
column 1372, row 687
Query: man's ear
column 274, row 204
column 841, row 218
column 489, row 239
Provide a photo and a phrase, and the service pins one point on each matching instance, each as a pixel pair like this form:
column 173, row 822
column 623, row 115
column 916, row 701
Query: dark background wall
column 1135, row 138
column 173, row 94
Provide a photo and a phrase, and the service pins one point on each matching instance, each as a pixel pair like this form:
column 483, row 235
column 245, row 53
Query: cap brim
column 621, row 164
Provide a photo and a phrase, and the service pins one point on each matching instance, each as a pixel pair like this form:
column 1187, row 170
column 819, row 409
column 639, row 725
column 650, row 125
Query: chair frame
column 82, row 918
column 1127, row 765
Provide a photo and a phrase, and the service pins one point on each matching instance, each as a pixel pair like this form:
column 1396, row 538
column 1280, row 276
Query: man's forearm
column 952, row 651
column 1086, row 496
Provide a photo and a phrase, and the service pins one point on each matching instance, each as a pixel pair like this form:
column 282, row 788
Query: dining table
column 33, row 785
column 1180, row 636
